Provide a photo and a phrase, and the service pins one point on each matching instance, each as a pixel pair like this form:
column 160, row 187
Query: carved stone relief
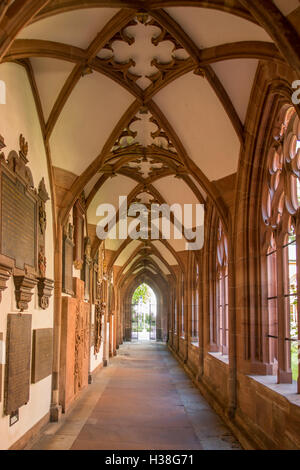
column 98, row 325
column 75, row 344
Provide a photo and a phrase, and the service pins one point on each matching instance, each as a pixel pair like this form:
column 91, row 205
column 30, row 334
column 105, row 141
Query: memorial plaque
column 17, row 369
column 18, row 228
column 42, row 354
column 68, row 266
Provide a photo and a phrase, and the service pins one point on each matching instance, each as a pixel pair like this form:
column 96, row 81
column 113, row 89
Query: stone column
column 55, row 408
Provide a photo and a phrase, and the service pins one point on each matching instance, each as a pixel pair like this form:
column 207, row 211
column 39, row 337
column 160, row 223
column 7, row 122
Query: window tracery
column 280, row 210
column 222, row 291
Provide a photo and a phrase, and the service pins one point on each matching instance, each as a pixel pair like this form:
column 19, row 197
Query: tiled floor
column 143, row 400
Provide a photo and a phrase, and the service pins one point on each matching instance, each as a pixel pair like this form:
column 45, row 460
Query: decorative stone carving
column 121, row 36
column 18, row 163
column 75, row 345
column 125, row 70
column 134, row 137
column 68, row 247
column 99, row 313
column 5, row 273
column 87, row 268
column 45, row 288
column 42, row 211
column 78, row 221
column 24, row 289
column 281, row 177
column 163, row 70
column 122, row 69
column 42, row 262
column 95, row 278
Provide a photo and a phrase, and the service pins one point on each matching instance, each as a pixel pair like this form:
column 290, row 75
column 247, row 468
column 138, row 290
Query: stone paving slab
column 142, row 401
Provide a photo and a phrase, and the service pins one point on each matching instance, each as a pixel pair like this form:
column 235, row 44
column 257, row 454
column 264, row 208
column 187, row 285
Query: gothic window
column 222, row 291
column 195, row 303
column 281, row 226
column 175, row 313
column 182, row 307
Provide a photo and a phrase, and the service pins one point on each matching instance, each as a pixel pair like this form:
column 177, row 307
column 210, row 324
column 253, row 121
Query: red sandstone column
column 284, row 371
column 55, row 408
column 298, row 294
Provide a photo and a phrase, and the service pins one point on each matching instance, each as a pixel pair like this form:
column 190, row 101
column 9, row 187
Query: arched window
column 175, row 312
column 281, row 224
column 182, row 308
column 222, row 291
column 195, row 304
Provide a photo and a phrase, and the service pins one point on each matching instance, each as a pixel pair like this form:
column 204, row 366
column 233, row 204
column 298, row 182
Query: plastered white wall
column 18, row 116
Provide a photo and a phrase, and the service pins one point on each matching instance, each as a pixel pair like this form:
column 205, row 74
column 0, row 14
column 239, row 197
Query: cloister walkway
column 142, row 400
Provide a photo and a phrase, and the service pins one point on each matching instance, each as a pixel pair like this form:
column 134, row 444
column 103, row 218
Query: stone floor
column 143, row 400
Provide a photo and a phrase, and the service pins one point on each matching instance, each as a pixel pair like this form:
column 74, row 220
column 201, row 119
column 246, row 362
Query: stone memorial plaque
column 68, row 266
column 42, row 354
column 17, row 370
column 18, row 227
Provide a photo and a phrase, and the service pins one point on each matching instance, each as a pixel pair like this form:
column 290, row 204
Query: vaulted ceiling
column 144, row 99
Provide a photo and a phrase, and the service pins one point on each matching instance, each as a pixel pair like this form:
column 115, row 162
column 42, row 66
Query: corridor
column 143, row 400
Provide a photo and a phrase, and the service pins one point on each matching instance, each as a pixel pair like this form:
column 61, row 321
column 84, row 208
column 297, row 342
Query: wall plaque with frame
column 19, row 211
column 17, row 368
column 42, row 354
column 18, row 222
column 22, row 224
column 68, row 247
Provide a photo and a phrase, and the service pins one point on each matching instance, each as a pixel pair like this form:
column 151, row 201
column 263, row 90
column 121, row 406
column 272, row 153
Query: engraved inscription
column 18, row 352
column 42, row 353
column 18, row 223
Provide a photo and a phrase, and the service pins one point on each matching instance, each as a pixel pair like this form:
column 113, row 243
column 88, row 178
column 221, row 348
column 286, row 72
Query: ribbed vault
column 144, row 99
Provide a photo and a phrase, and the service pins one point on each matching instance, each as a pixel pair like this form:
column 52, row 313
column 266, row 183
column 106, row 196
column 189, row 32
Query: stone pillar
column 55, row 408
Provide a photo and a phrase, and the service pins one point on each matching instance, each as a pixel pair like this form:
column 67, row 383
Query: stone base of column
column 55, row 413
column 284, row 377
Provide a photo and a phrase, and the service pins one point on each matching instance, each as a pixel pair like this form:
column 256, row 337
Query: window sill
column 288, row 391
column 195, row 344
column 220, row 357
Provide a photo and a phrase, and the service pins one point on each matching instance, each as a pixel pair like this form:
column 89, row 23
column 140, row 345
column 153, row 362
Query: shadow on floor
column 143, row 401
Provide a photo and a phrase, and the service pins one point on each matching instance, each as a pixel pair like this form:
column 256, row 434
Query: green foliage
column 295, row 349
column 142, row 291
